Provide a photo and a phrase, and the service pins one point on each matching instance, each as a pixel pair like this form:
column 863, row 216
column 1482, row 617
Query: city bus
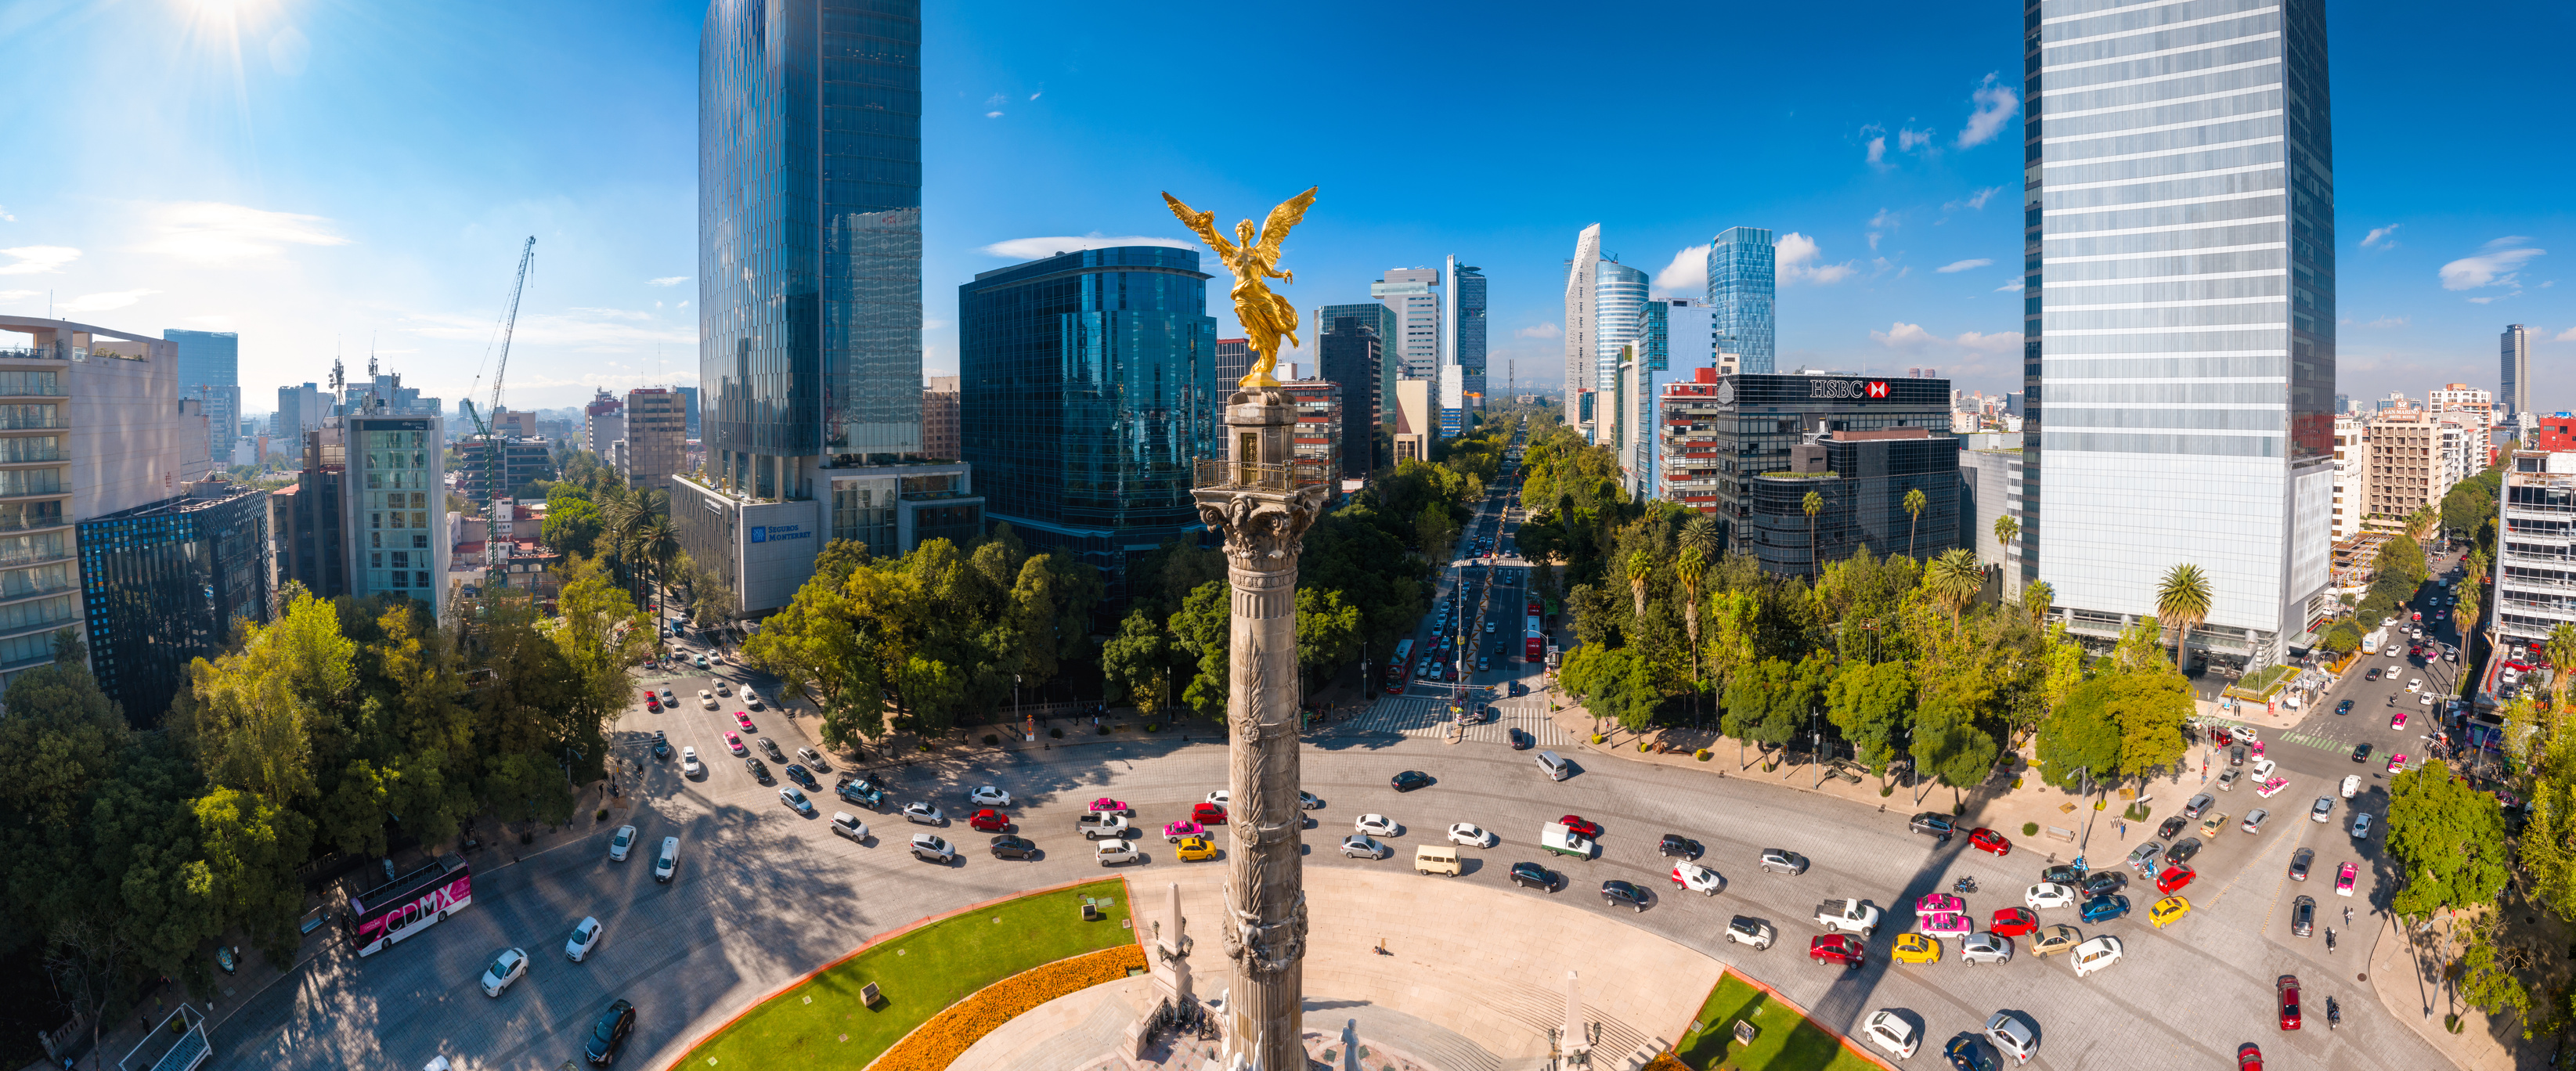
column 1534, row 641
column 408, row 904
column 1397, row 668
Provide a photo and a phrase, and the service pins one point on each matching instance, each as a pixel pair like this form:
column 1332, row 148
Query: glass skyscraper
column 1618, row 301
column 809, row 239
column 2179, row 315
column 1464, row 320
column 1375, row 316
column 210, row 372
column 1741, row 285
column 1083, row 385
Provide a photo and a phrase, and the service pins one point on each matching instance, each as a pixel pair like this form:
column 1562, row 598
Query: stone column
column 1263, row 502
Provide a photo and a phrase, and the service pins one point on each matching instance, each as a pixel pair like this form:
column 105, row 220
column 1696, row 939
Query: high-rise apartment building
column 1233, row 362
column 1084, row 384
column 2534, row 565
column 1675, row 339
column 210, row 371
column 2515, row 392
column 2179, row 315
column 939, row 419
column 1580, row 354
column 2351, row 476
column 657, row 437
column 1462, row 326
column 1408, row 292
column 1349, row 354
column 1318, row 435
column 299, row 409
column 603, row 424
column 1742, row 284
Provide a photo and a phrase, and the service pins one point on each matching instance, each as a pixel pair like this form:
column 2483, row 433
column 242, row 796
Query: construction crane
column 496, row 467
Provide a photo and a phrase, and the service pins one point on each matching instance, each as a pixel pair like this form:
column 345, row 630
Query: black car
column 2236, row 755
column 1615, row 893
column 2361, row 752
column 1534, row 876
column 609, row 1034
column 772, row 748
column 1410, row 780
column 2183, row 850
column 1675, row 844
column 1967, row 1052
column 661, row 745
column 2172, row 827
column 1010, row 847
column 2300, row 861
column 804, row 777
column 1932, row 824
column 2061, row 874
column 2303, row 916
column 1520, row 740
column 759, row 771
column 2105, row 882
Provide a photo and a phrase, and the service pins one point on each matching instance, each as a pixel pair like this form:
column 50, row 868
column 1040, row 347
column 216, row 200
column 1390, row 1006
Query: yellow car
column 2167, row 910
column 2210, row 826
column 1916, row 948
column 1194, row 849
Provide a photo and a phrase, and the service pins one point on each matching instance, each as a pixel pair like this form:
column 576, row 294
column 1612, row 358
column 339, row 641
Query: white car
column 988, row 796
column 2048, row 894
column 621, row 844
column 706, row 699
column 1986, row 946
column 2096, row 954
column 1697, row 878
column 667, row 862
column 1891, row 1032
column 2013, row 1037
column 922, row 814
column 2262, row 770
column 510, row 966
column 1220, row 797
column 751, row 699
column 1359, row 847
column 2323, row 811
column 2361, row 826
column 689, row 764
column 2351, row 785
column 1468, row 834
column 848, row 825
column 2415, row 686
column 2244, row 733
column 930, row 849
column 584, row 938
column 1112, row 852
column 1377, row 824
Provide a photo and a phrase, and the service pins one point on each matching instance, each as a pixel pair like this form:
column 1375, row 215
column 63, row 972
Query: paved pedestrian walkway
column 1428, row 717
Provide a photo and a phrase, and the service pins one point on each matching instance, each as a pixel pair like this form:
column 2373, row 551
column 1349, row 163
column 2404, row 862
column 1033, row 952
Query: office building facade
column 2179, row 314
column 1861, row 479
column 1742, row 285
column 657, row 437
column 164, row 583
column 2514, row 378
column 1084, row 387
column 1676, row 342
column 1744, row 425
column 1233, row 362
column 1580, row 356
column 2535, row 567
column 210, row 371
column 1990, row 489
column 1318, row 435
column 1618, row 301
column 1350, row 355
column 1462, row 326
column 1381, row 320
column 939, row 419
column 1409, row 294
column 1416, row 421
column 394, row 505
column 299, row 409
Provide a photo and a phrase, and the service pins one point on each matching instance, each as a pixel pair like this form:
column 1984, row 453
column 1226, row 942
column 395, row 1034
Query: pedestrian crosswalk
column 2318, row 742
column 1428, row 717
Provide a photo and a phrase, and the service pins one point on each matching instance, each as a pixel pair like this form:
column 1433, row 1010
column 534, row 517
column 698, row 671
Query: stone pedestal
column 1262, row 499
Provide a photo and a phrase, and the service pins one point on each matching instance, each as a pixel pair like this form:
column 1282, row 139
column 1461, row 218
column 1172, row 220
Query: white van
column 668, row 861
column 1557, row 768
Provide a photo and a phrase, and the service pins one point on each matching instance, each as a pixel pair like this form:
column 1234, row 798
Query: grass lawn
column 918, row 974
column 1788, row 1042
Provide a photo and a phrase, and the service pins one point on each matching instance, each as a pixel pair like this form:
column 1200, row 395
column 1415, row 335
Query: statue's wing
column 1201, row 223
column 1289, row 213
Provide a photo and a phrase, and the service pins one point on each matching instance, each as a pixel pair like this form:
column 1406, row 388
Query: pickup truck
column 1555, row 837
column 1104, row 826
column 861, row 791
column 1855, row 916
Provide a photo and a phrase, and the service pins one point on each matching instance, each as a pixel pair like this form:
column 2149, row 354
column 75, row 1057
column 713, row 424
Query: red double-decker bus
column 400, row 908
column 1534, row 641
column 1399, row 668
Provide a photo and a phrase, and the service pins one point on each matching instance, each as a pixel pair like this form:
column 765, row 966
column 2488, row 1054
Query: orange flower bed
column 950, row 1033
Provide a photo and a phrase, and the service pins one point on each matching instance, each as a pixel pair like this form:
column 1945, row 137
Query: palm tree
column 2183, row 598
column 657, row 545
column 1955, row 579
column 1814, row 504
column 1690, row 568
column 2562, row 658
column 1914, row 506
column 1700, row 533
column 2005, row 529
column 2035, row 600
column 1640, row 566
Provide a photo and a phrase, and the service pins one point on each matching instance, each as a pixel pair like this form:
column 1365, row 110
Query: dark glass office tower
column 1083, row 384
column 809, row 238
column 1353, row 355
column 163, row 585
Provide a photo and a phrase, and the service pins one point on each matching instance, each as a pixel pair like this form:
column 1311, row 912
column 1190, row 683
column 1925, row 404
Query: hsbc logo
column 1846, row 389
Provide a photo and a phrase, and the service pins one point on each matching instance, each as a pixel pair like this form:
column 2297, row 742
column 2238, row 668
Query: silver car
column 1783, row 861
column 2323, row 811
column 2012, row 1037
column 1361, row 847
column 1986, row 947
column 2145, row 854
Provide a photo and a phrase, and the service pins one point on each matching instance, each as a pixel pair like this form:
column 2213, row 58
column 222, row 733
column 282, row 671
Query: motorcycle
column 2329, row 938
column 2334, row 1014
column 1964, row 886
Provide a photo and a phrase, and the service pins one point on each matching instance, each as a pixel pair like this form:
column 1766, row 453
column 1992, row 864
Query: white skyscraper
column 1619, row 299
column 1408, row 292
column 2181, row 317
column 2515, row 397
column 1579, row 298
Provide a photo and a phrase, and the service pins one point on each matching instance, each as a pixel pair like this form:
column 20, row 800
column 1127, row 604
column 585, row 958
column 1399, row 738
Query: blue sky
column 319, row 173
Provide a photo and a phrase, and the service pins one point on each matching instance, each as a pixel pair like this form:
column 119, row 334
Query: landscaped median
column 1027, row 951
column 1784, row 1039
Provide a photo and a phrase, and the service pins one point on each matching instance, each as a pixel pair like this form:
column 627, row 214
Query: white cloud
column 1878, row 152
column 2496, row 267
column 2491, row 298
column 1996, row 104
column 1687, row 274
column 1974, row 200
column 5, row 217
column 1033, row 248
column 614, row 314
column 2387, row 321
column 2568, row 335
column 667, row 280
column 1034, row 96
column 992, row 115
column 33, row 259
column 115, row 299
column 996, row 100
column 1910, row 139
column 2001, row 342
column 1963, row 265
column 215, row 322
column 1795, row 257
column 1912, row 338
column 1550, row 330
column 592, row 333
column 1904, row 336
column 2378, row 233
column 2012, row 287
column 212, row 233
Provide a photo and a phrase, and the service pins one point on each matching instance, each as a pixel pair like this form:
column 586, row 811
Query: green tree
column 1870, row 705
column 1950, row 744
column 2151, row 710
column 2183, row 597
column 2006, row 528
column 1203, row 629
column 1770, row 700
column 1641, row 566
column 1954, row 579
column 1700, row 534
column 1689, row 569
column 1914, row 506
column 1614, row 685
column 2036, row 599
column 1328, row 633
column 1811, row 505
column 572, row 525
column 2082, row 737
column 2562, row 652
column 1137, row 663
column 2488, row 983
column 252, row 848
column 2451, row 839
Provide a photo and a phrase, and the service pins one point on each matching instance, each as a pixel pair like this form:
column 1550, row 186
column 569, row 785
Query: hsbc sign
column 1847, row 389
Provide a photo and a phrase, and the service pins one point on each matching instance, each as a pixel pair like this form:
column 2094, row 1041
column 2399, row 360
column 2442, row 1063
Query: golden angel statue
column 1266, row 317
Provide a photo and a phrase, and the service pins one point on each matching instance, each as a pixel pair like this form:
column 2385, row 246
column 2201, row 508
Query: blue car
column 2102, row 908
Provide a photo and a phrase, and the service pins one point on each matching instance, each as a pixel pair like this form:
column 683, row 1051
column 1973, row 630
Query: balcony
column 11, row 559
column 31, row 353
column 1219, row 475
column 52, row 421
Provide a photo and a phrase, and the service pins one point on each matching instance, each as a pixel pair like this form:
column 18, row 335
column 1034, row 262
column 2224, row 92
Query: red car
column 2249, row 1057
column 2014, row 922
column 2288, row 987
column 1987, row 840
column 1208, row 814
column 1576, row 823
column 990, row 821
column 2174, row 877
column 1841, row 948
